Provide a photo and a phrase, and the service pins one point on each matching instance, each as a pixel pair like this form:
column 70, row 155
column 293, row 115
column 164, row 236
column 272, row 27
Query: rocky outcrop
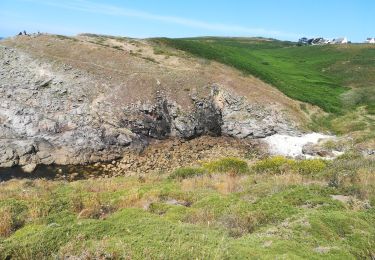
column 55, row 114
column 47, row 115
column 244, row 120
column 222, row 113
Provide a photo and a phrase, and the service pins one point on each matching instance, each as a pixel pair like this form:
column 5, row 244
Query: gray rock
column 53, row 115
column 29, row 168
column 222, row 113
column 316, row 150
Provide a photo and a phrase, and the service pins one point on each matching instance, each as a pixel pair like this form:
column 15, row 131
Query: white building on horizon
column 370, row 40
column 342, row 40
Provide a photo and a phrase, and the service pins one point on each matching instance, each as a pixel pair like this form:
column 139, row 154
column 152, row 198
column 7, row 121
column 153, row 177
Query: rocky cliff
column 57, row 109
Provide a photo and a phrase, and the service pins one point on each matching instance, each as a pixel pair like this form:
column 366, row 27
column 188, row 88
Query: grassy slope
column 318, row 75
column 260, row 213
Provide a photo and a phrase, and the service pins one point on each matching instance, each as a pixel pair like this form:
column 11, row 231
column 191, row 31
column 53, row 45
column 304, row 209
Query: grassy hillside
column 274, row 208
column 315, row 74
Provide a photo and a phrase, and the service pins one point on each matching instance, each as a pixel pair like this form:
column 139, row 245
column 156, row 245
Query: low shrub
column 161, row 51
column 186, row 172
column 227, row 165
column 310, row 167
column 280, row 165
column 158, row 208
column 12, row 217
column 94, row 207
column 240, row 224
column 276, row 165
column 352, row 176
column 118, row 48
column 63, row 37
column 303, row 107
column 6, row 222
column 150, row 59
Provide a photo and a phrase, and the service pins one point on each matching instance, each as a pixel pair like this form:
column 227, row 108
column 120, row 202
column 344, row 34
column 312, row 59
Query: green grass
column 267, row 215
column 319, row 75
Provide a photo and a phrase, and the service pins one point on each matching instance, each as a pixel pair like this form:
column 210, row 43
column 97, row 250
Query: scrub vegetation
column 274, row 207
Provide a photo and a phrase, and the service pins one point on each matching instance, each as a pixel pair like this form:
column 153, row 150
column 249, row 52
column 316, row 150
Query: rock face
column 60, row 115
column 243, row 120
column 222, row 113
column 47, row 116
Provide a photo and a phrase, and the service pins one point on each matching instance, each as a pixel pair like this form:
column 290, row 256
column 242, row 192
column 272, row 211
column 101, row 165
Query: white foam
column 287, row 145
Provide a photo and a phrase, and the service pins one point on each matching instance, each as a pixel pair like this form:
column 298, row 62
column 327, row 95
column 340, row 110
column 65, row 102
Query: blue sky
column 282, row 19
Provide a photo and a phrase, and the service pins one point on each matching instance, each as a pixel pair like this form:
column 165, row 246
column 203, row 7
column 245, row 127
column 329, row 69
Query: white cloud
column 112, row 10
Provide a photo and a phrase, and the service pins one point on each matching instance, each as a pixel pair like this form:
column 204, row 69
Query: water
column 52, row 172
